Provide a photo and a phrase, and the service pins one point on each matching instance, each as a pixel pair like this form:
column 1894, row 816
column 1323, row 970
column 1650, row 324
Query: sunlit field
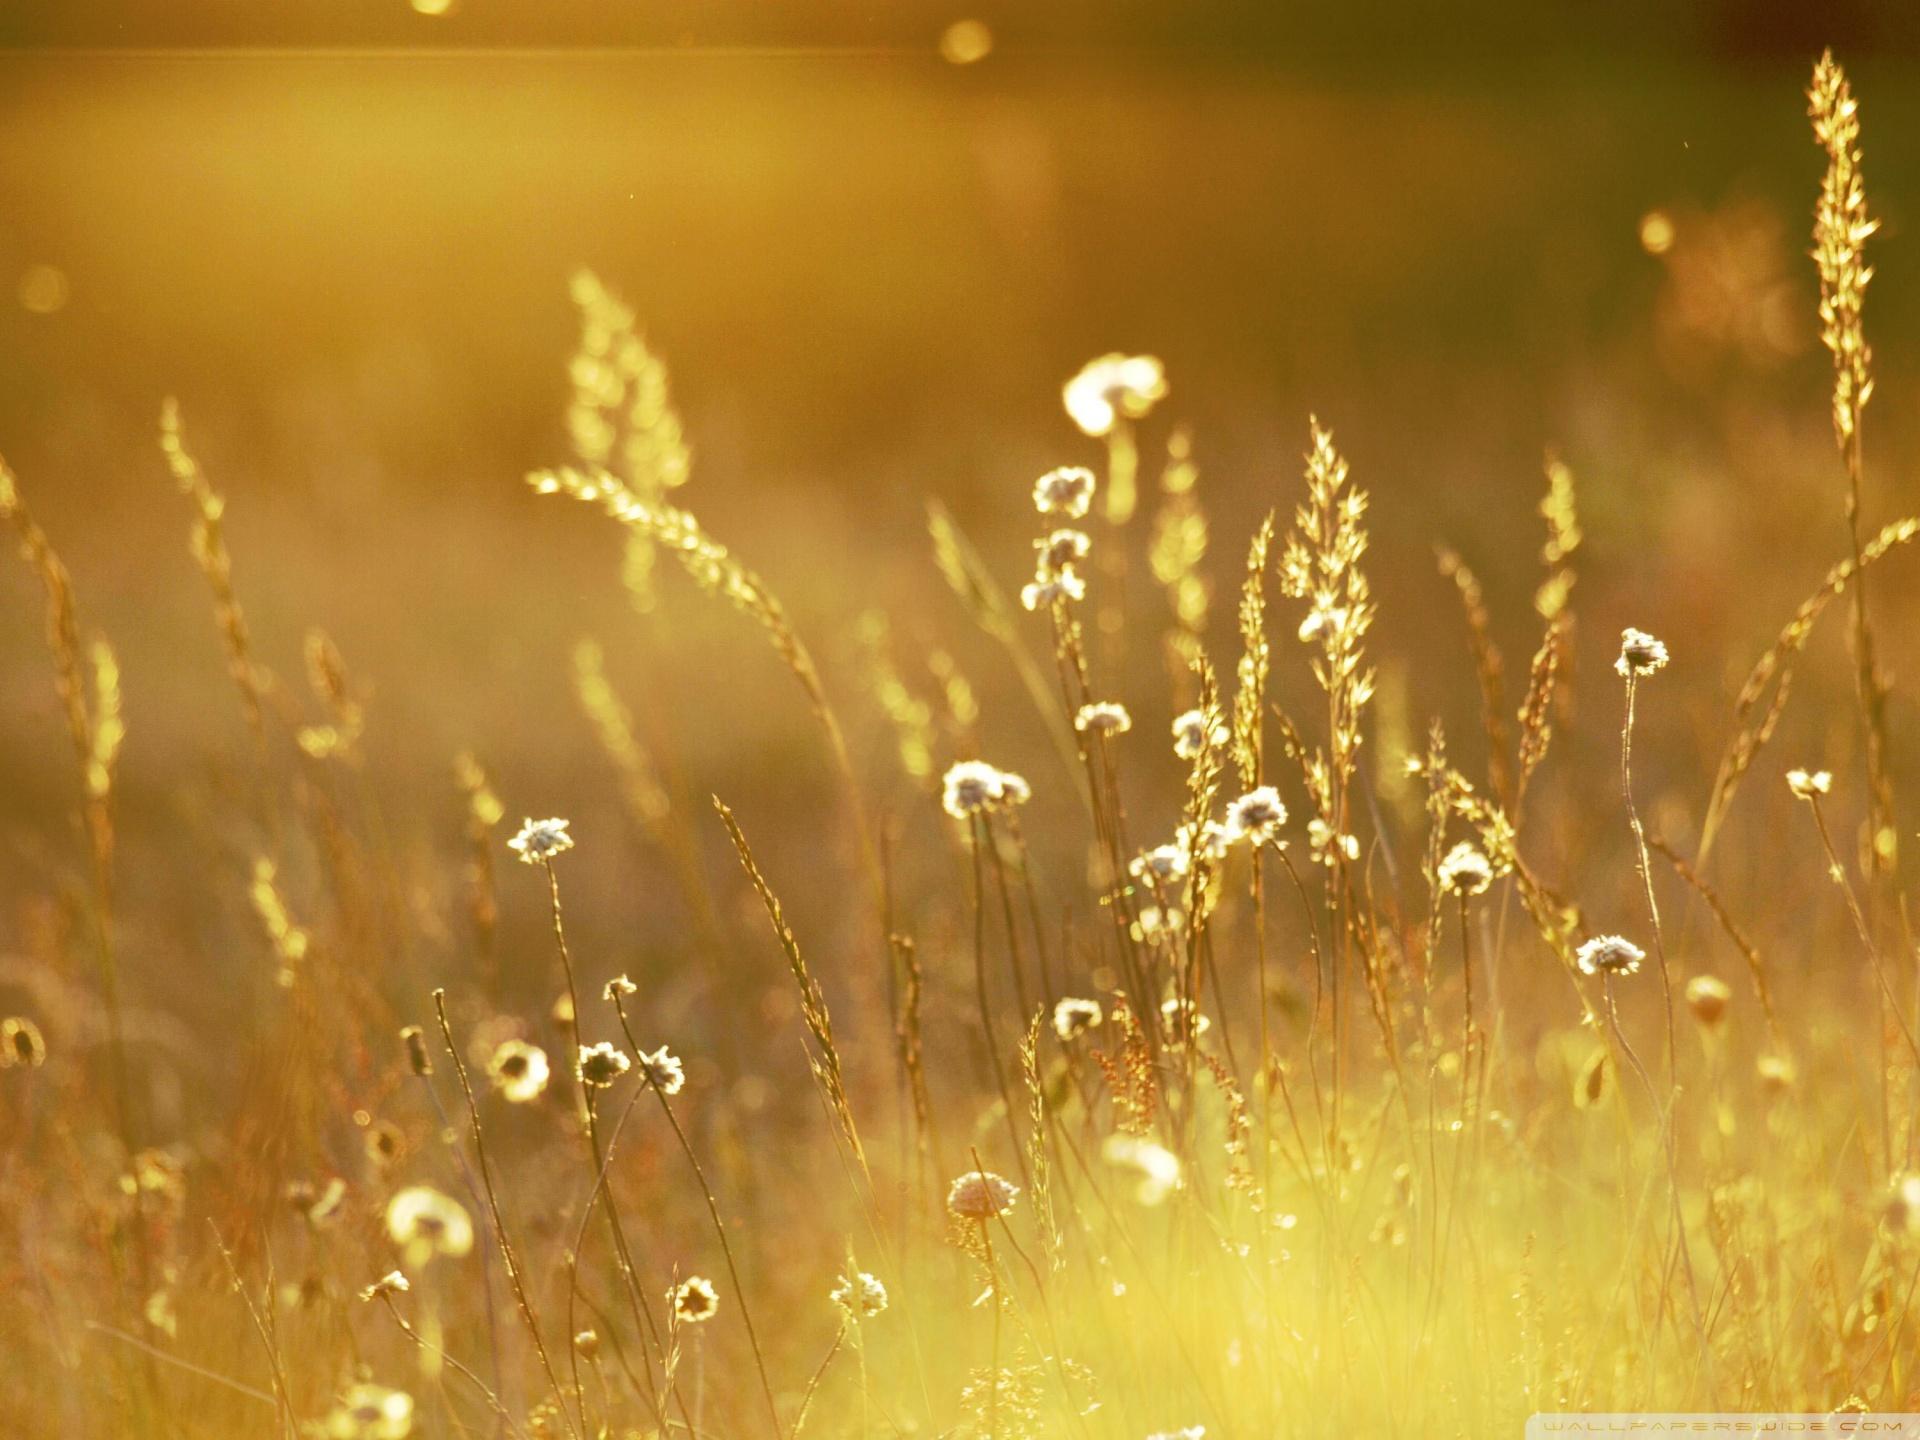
column 954, row 745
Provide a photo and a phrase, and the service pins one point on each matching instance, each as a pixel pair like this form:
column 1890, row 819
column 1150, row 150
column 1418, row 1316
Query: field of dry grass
column 1058, row 929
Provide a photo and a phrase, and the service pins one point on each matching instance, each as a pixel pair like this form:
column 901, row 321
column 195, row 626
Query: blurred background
column 871, row 242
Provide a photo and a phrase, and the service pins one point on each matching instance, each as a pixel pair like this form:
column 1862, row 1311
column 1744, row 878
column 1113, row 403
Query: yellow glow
column 966, row 41
column 43, row 289
column 1656, row 232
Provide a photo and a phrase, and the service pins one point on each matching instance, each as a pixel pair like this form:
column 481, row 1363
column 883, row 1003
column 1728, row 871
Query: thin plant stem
column 507, row 1256
column 1666, row 993
column 713, row 1212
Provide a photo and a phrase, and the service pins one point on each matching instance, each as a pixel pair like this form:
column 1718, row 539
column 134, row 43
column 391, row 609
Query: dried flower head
column 1062, row 550
column 21, row 1043
column 391, row 1283
column 1192, row 734
column 1176, row 1013
column 1465, row 871
column 1640, row 653
column 1162, row 865
column 1808, row 784
column 860, row 1295
column 694, row 1300
column 620, row 985
column 1213, row 841
column 1776, row 1072
column 981, row 1195
column 1103, row 717
column 1073, row 1017
column 1256, row 816
column 970, row 787
column 385, row 1143
column 1112, row 386
column 370, row 1412
column 1066, row 492
column 1707, row 997
column 600, row 1065
column 319, row 1206
column 663, row 1071
column 414, row 1040
column 1014, row 789
column 1047, row 587
column 1610, row 955
column 540, row 840
column 1903, row 1205
column 1156, row 1169
column 519, row 1071
column 1327, row 847
column 426, row 1223
column 1154, row 921
column 587, row 1344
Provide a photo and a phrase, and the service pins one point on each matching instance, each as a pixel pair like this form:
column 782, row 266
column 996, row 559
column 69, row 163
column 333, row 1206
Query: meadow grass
column 1253, row 1077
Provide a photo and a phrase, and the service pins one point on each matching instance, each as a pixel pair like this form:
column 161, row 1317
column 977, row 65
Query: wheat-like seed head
column 640, row 784
column 1250, row 693
column 1841, row 228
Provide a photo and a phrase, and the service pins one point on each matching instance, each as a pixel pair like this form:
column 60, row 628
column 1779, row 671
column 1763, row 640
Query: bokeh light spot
column 966, row 41
column 43, row 289
column 1656, row 232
